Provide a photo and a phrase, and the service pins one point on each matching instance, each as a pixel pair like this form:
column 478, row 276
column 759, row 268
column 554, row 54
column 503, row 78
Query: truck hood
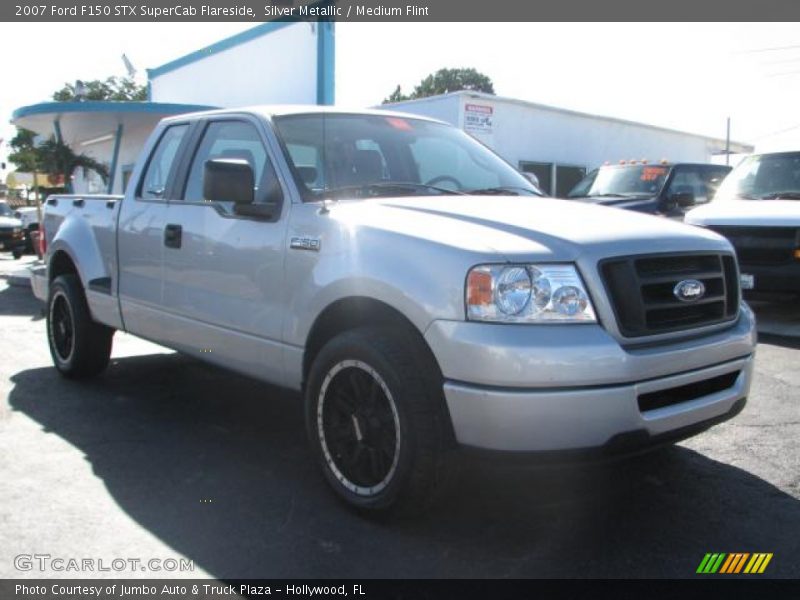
column 517, row 226
column 614, row 200
column 759, row 213
column 641, row 203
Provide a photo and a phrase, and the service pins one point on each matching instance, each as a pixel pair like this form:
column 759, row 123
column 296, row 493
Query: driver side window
column 233, row 140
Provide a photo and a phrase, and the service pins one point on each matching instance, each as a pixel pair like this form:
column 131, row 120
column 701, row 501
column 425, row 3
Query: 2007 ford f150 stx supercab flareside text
column 418, row 290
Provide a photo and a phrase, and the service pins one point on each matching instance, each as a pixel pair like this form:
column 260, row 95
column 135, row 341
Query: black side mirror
column 228, row 179
column 308, row 174
column 683, row 198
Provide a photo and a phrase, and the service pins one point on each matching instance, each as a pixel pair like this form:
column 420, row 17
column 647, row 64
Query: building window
column 567, row 176
column 554, row 179
column 543, row 172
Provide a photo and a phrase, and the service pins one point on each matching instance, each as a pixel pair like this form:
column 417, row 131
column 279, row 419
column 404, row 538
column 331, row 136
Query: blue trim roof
column 231, row 42
column 45, row 108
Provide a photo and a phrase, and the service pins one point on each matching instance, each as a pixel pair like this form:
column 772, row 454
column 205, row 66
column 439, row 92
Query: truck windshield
column 763, row 177
column 360, row 156
column 638, row 180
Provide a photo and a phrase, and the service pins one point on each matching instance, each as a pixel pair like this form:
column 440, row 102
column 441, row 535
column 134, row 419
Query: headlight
column 527, row 294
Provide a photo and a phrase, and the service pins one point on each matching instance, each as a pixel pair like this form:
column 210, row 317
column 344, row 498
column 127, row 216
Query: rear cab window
column 156, row 178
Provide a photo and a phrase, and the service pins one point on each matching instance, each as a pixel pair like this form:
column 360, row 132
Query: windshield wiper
column 618, row 195
column 511, row 190
column 378, row 189
column 780, row 196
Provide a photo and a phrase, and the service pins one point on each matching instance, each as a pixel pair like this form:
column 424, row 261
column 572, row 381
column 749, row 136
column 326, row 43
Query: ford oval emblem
column 689, row 290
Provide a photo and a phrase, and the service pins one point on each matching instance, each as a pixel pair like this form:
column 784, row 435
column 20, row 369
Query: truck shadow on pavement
column 16, row 301
column 216, row 466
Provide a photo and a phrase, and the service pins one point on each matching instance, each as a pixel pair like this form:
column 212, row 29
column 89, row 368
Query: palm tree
column 56, row 158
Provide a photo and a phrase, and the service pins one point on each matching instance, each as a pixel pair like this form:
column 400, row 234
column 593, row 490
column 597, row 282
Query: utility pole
column 728, row 143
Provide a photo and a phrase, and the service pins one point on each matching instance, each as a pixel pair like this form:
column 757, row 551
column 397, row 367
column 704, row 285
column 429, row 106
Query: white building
column 558, row 145
column 245, row 69
column 293, row 63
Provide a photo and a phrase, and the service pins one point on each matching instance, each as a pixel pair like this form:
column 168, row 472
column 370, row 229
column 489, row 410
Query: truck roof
column 662, row 164
column 280, row 110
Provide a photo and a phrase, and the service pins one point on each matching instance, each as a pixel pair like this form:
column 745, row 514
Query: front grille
column 641, row 291
column 762, row 245
column 685, row 393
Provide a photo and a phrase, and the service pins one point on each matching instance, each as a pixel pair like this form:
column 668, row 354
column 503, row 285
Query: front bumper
column 774, row 278
column 10, row 242
column 574, row 388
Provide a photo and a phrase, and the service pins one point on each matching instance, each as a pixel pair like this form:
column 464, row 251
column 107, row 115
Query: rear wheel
column 79, row 346
column 377, row 423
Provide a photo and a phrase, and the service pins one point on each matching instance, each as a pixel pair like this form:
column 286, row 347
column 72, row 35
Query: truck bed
column 92, row 219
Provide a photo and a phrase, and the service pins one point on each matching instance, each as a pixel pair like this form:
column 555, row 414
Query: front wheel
column 377, row 422
column 80, row 347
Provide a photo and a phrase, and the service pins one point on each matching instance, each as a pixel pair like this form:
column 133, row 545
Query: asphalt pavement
column 165, row 457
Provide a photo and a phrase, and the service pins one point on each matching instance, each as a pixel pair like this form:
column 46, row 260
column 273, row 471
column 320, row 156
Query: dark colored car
column 668, row 189
column 12, row 234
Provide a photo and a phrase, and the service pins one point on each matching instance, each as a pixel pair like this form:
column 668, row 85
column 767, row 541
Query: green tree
column 51, row 157
column 58, row 159
column 112, row 88
column 444, row 81
column 23, row 151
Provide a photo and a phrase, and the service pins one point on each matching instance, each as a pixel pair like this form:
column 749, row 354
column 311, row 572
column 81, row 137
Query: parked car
column 758, row 210
column 414, row 287
column 667, row 189
column 29, row 215
column 12, row 234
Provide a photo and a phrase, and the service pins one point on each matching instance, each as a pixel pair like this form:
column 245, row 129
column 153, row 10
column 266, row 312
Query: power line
column 773, row 49
column 784, row 73
column 796, row 60
column 766, row 135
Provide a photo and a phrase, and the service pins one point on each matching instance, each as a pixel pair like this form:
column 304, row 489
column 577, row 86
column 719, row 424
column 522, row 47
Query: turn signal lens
column 479, row 288
column 797, row 254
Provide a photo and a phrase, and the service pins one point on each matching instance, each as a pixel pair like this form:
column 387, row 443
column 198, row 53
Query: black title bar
column 399, row 10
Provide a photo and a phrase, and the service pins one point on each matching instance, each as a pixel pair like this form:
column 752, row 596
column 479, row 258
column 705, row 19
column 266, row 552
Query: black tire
column 79, row 346
column 17, row 254
column 391, row 386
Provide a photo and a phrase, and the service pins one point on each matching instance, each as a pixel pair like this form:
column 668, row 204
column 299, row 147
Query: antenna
column 129, row 66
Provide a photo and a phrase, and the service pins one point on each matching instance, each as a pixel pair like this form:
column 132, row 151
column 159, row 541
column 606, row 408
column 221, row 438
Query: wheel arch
column 61, row 263
column 352, row 312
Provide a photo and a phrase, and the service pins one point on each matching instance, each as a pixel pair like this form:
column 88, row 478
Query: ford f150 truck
column 416, row 288
column 758, row 210
column 667, row 189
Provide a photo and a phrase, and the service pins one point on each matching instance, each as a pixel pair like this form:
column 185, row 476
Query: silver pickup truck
column 419, row 291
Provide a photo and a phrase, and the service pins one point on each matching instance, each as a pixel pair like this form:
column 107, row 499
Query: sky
column 689, row 77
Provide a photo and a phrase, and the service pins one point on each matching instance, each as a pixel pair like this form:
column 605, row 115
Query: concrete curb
column 18, row 279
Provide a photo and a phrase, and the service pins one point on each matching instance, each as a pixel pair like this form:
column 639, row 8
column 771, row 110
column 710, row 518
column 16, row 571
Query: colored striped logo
column 735, row 562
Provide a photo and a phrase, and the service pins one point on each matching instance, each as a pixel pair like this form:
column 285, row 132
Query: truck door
column 140, row 230
column 223, row 273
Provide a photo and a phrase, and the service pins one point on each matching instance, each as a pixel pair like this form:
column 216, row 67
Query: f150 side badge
column 689, row 290
column 305, row 243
